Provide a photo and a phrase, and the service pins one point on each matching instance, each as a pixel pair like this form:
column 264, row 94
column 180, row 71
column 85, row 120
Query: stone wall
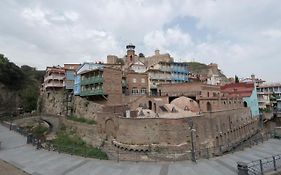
column 224, row 127
column 85, row 108
column 86, row 132
column 52, row 102
column 220, row 130
column 170, row 133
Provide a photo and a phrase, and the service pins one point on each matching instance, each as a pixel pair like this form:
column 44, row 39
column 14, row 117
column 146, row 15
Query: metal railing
column 261, row 166
column 264, row 165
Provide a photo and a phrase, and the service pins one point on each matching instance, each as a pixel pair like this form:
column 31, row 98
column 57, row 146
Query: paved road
column 41, row 162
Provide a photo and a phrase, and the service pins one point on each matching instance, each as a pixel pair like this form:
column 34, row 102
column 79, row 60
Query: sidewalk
column 42, row 162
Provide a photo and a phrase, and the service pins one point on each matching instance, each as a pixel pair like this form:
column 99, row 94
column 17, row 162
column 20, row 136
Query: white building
column 265, row 91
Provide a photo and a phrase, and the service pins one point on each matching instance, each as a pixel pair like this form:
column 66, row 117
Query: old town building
column 148, row 104
column 54, row 78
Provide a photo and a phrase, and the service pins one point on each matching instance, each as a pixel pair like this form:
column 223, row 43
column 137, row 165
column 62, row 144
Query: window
column 134, row 80
column 135, row 91
column 142, row 80
column 143, row 90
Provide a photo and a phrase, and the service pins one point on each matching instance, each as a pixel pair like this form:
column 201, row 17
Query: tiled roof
column 238, row 89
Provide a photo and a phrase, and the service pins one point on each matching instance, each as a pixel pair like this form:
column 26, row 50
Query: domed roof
column 186, row 104
column 145, row 113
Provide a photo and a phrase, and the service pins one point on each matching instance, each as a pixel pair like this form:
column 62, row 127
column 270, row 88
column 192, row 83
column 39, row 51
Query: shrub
column 39, row 130
column 75, row 145
column 82, row 120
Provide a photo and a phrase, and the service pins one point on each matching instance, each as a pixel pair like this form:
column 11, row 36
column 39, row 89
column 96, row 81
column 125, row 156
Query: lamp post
column 193, row 156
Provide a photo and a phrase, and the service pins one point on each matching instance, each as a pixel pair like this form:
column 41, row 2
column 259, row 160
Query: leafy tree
column 29, row 97
column 10, row 74
column 25, row 81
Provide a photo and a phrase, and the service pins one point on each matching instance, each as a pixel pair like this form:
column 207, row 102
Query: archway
column 245, row 104
column 110, row 129
column 209, row 107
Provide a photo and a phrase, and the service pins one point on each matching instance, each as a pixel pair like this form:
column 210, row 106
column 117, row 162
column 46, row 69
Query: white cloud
column 35, row 16
column 73, row 16
column 241, row 36
column 272, row 33
column 172, row 39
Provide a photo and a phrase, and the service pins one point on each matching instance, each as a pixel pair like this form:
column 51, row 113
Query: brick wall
column 138, row 84
column 212, row 129
column 112, row 85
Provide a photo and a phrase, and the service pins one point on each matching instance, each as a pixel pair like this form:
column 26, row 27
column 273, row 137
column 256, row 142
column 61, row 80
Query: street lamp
column 192, row 130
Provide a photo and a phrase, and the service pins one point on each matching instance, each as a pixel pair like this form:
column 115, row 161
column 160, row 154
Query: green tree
column 29, row 96
column 25, row 81
column 10, row 74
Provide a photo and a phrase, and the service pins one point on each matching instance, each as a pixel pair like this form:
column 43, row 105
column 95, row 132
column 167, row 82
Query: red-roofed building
column 245, row 90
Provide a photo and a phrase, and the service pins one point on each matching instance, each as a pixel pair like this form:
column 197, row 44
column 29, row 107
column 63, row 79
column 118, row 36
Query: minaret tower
column 130, row 52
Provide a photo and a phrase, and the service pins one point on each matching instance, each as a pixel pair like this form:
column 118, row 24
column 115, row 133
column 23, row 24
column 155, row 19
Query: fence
column 261, row 166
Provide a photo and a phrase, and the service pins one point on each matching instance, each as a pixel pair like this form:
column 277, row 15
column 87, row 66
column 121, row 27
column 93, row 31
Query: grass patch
column 75, row 145
column 39, row 130
column 82, row 120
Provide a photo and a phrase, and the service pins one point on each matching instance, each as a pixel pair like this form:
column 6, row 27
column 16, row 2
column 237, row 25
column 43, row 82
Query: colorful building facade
column 247, row 91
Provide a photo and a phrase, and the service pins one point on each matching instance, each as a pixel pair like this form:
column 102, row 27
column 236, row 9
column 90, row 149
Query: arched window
column 149, row 105
column 209, row 107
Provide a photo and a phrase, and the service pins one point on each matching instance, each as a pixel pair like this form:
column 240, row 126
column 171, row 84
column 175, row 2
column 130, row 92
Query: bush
column 75, row 145
column 39, row 131
column 82, row 120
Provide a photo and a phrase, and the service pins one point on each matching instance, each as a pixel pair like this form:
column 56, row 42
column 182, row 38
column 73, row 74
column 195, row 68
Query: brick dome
column 186, row 104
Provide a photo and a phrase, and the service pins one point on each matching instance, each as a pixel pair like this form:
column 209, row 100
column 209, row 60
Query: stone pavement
column 41, row 162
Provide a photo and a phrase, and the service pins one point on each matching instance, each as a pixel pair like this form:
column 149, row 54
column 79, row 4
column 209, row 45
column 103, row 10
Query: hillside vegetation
column 203, row 69
column 23, row 82
column 198, row 68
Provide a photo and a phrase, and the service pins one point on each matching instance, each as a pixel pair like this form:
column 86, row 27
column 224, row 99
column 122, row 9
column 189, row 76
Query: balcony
column 54, row 77
column 179, row 70
column 52, row 84
column 92, row 80
column 184, row 79
column 91, row 92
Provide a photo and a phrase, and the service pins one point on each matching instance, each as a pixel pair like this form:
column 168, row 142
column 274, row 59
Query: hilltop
column 205, row 70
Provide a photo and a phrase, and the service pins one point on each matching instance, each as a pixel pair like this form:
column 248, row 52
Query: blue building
column 252, row 102
column 166, row 72
column 69, row 75
column 77, row 77
column 77, row 85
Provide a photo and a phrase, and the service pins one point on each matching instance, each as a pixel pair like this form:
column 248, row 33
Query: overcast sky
column 243, row 37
